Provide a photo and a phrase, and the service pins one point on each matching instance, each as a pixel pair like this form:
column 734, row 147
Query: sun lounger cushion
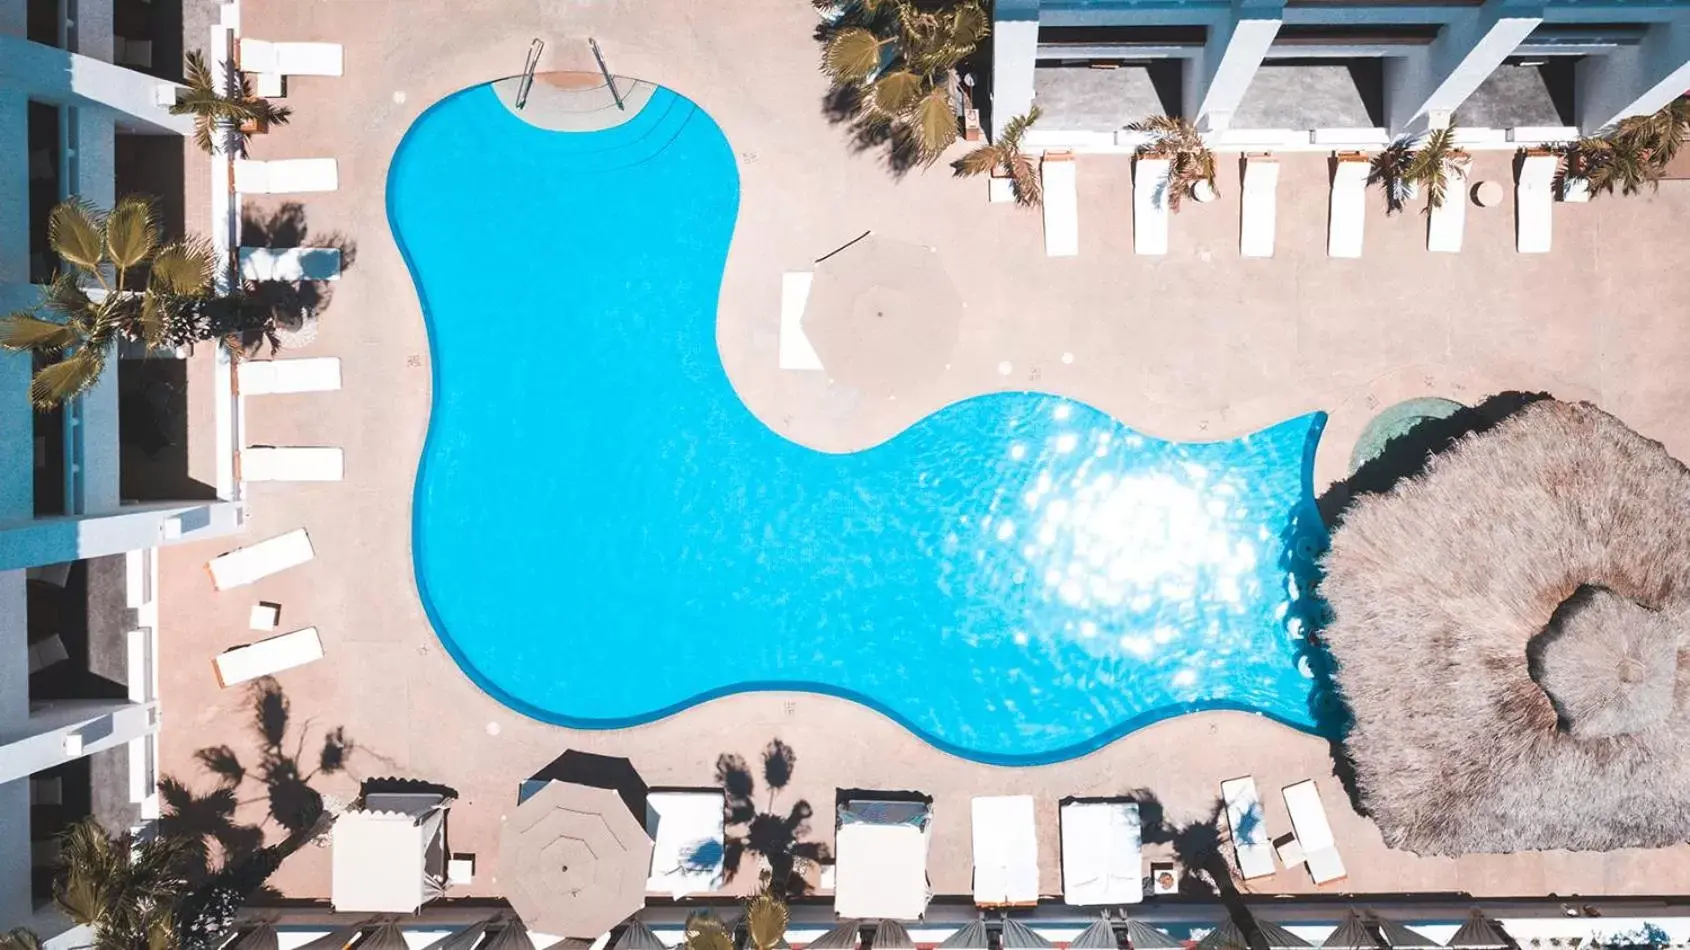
column 1259, row 216
column 1061, row 205
column 245, row 565
column 1006, row 851
column 312, row 463
column 1308, row 820
column 1349, row 208
column 1447, row 221
column 880, row 860
column 795, row 349
column 686, row 856
column 286, row 176
column 1533, row 198
column 290, row 263
column 269, row 377
column 1101, row 859
column 268, row 656
column 1150, row 206
column 1249, row 829
column 291, row 59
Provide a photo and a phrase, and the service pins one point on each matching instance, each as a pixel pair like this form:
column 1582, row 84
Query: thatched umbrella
column 1399, row 937
column 1230, row 936
column 261, row 937
column 1351, row 934
column 844, row 936
column 1018, row 936
column 1505, row 627
column 972, row 936
column 1099, row 936
column 891, row 935
column 464, row 938
column 1478, row 933
column 1142, row 936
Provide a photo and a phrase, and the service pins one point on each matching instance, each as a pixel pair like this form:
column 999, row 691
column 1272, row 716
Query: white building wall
column 1424, row 87
column 1637, row 80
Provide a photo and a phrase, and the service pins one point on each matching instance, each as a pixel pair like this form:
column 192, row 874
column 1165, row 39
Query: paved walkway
column 1198, row 345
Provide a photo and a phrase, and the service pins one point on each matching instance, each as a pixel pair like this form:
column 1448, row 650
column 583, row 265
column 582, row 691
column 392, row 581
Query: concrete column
column 1217, row 79
column 94, row 29
column 91, row 427
column 36, row 541
column 16, row 906
column 1635, row 80
column 1424, row 87
column 95, row 724
column 1015, row 50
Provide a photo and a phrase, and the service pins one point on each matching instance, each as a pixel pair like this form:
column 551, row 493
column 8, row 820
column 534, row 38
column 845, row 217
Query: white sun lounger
column 1533, row 195
column 1314, row 834
column 267, row 377
column 1061, row 205
column 1150, row 206
column 245, row 565
column 268, row 656
column 47, row 652
column 1259, row 214
column 1006, row 851
column 1349, row 206
column 795, row 349
column 1249, row 828
column 880, row 860
column 286, row 176
column 297, row 463
column 1447, row 221
column 686, row 831
column 291, row 59
column 290, row 263
column 1101, row 859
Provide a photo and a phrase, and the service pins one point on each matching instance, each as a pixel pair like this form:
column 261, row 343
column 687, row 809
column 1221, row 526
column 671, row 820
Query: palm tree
column 1634, row 153
column 765, row 918
column 77, row 327
column 1189, row 158
column 20, row 938
column 1005, row 154
column 1412, row 163
column 899, row 57
column 704, row 931
column 225, row 113
column 122, row 889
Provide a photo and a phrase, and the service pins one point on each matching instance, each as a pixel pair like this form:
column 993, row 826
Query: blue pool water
column 604, row 534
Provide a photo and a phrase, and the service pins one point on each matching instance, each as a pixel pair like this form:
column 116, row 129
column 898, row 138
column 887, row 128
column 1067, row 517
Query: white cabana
column 390, row 856
column 1101, row 854
column 687, row 847
column 880, row 860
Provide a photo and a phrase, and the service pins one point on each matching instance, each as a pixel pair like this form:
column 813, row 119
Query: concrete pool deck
column 1198, row 345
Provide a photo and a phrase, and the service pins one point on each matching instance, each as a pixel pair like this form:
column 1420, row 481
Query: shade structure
column 1499, row 630
column 260, row 937
column 1100, row 935
column 1018, row 936
column 844, row 936
column 972, row 936
column 385, row 936
column 1352, row 933
column 1142, row 936
column 1397, row 936
column 1229, row 936
column 1477, row 932
column 883, row 315
column 511, row 935
column 1277, row 937
column 573, row 860
column 337, row 939
column 464, row 938
column 390, row 856
column 891, row 935
column 612, row 772
column 637, row 936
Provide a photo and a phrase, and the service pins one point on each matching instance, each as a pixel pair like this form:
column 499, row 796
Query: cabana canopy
column 1400, row 937
column 1142, row 936
column 880, row 860
column 1099, row 936
column 891, row 935
column 972, row 936
column 1018, row 936
column 845, row 936
column 1505, row 633
column 1352, row 933
column 1478, row 933
column 390, row 857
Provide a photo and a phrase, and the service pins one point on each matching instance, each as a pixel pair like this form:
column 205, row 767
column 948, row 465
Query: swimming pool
column 605, row 535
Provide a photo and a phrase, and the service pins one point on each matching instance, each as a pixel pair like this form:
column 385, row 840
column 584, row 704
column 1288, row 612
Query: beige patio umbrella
column 1505, row 628
column 883, row 315
column 573, row 860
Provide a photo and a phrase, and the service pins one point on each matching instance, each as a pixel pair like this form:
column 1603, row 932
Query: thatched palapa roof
column 1506, row 628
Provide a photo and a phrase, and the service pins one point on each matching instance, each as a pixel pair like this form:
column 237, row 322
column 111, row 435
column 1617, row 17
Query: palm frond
column 184, row 268
column 65, row 297
column 934, row 124
column 25, row 331
column 704, row 931
column 73, row 230
column 52, row 386
column 765, row 919
column 1024, row 180
column 1017, row 127
column 979, row 161
column 197, row 75
column 897, row 92
column 131, row 233
column 92, row 864
column 20, row 938
column 969, row 24
column 852, row 55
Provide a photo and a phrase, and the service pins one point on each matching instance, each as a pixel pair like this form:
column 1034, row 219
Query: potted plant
column 1413, row 163
column 1191, row 166
column 1005, row 161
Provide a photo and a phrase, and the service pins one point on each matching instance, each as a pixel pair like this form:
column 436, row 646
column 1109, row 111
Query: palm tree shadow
column 777, row 837
column 287, row 305
column 1200, row 847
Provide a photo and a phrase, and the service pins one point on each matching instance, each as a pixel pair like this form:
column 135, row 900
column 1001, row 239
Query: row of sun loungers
column 881, row 849
column 1534, row 195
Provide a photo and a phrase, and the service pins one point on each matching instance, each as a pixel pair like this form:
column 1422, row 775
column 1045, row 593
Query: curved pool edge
column 1307, row 504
